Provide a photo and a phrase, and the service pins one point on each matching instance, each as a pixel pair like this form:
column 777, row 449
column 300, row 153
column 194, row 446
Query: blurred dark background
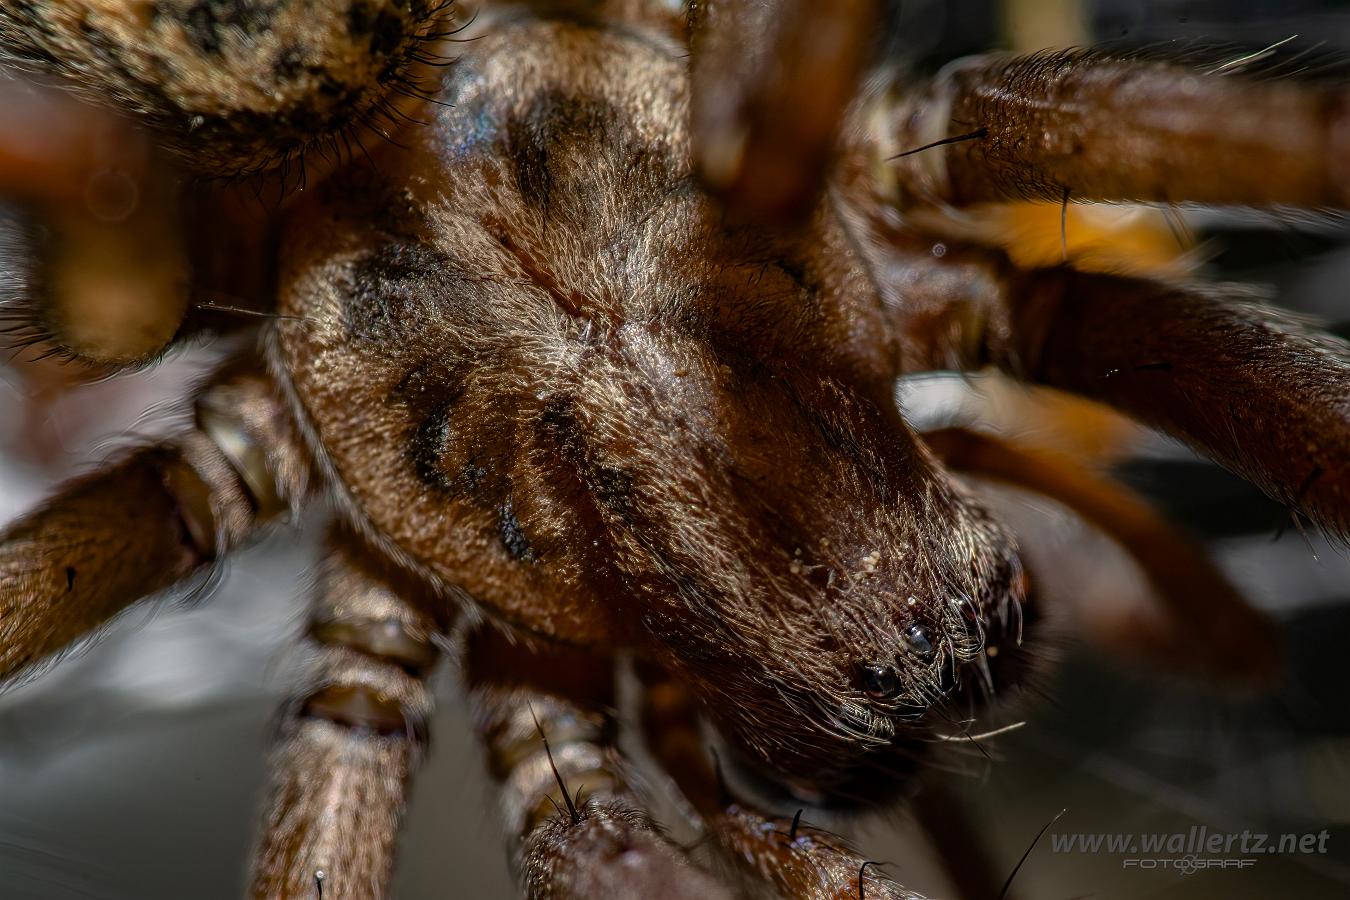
column 133, row 770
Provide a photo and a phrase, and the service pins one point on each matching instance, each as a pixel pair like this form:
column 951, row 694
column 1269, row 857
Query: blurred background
column 133, row 769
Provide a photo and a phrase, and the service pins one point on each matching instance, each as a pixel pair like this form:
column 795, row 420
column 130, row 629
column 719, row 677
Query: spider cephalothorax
column 561, row 364
column 588, row 388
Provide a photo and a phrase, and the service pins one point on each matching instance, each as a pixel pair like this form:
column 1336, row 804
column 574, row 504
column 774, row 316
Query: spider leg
column 1213, row 628
column 797, row 859
column 1084, row 126
column 577, row 828
column 349, row 747
column 1244, row 384
column 766, row 115
column 103, row 198
column 146, row 522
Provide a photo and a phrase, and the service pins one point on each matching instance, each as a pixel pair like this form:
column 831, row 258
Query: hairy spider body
column 551, row 322
column 238, row 87
column 562, row 359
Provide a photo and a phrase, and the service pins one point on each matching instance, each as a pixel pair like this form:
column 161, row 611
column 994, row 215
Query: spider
column 588, row 329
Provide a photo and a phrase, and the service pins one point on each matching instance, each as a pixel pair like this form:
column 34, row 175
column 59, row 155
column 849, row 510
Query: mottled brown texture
column 543, row 375
column 602, row 402
column 233, row 87
column 348, row 748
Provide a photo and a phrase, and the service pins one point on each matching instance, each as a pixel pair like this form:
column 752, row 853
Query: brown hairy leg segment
column 1243, row 383
column 1212, row 631
column 1081, row 125
column 1246, row 385
column 103, row 543
column 766, row 119
column 350, row 745
column 146, row 523
column 797, row 859
column 236, row 87
column 576, row 828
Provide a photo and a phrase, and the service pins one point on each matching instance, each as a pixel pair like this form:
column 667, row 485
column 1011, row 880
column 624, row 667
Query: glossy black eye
column 880, row 682
column 919, row 644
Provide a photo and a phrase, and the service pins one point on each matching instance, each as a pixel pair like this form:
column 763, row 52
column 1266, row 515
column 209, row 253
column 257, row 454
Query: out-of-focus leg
column 146, row 522
column 1248, row 386
column 1210, row 630
column 576, row 827
column 766, row 113
column 958, row 842
column 669, row 18
column 350, row 745
column 1243, row 383
column 108, row 283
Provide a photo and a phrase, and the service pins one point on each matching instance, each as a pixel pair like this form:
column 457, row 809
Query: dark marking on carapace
column 556, row 127
column 430, row 392
column 289, row 62
column 207, row 22
column 512, row 535
column 397, row 281
column 472, row 476
column 360, row 18
column 426, row 451
column 386, row 33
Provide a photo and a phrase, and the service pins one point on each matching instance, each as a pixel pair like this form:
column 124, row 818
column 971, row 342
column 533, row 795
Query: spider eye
column 919, row 644
column 880, row 682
